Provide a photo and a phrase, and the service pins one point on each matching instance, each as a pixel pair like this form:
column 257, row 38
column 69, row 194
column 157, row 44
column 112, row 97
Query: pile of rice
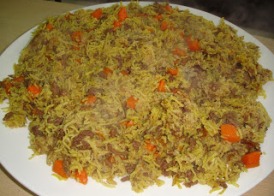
column 173, row 132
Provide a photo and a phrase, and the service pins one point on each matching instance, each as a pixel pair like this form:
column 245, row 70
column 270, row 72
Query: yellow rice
column 217, row 84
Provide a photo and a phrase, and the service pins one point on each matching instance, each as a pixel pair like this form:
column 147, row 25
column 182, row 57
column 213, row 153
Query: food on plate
column 132, row 93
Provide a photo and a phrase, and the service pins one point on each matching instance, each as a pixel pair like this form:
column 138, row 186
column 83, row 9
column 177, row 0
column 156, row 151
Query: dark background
column 257, row 15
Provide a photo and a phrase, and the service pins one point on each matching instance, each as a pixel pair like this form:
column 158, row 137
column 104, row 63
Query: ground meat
column 222, row 184
column 113, row 133
column 114, row 151
column 213, row 117
column 231, row 118
column 251, row 146
column 79, row 142
column 130, row 168
column 36, row 131
column 192, row 143
column 163, row 165
column 190, row 184
column 125, row 178
column 8, row 116
column 136, row 145
column 59, row 134
column 38, row 112
column 55, row 89
column 56, row 121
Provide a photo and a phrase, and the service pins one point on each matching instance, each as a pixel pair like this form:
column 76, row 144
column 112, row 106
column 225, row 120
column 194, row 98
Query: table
column 18, row 16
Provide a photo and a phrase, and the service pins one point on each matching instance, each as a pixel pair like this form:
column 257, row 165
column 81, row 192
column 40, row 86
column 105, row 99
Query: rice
column 139, row 98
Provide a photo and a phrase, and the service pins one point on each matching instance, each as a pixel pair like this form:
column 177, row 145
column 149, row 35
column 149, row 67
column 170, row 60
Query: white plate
column 36, row 175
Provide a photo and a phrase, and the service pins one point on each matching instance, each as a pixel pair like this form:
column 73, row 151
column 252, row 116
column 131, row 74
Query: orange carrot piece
column 34, row 89
column 122, row 14
column 173, row 71
column 230, row 133
column 131, row 102
column 168, row 8
column 164, row 25
column 97, row 13
column 107, row 71
column 149, row 146
column 76, row 36
column 251, row 159
column 81, row 177
column 129, row 123
column 58, row 168
column 179, row 52
column 159, row 17
column 193, row 44
column 90, row 99
column 49, row 26
column 162, row 86
column 117, row 24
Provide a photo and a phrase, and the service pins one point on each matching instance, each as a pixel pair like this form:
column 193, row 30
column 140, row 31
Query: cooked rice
column 217, row 84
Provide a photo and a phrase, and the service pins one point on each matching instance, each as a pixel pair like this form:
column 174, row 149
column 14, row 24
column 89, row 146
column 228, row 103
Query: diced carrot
column 164, row 25
column 7, row 86
column 230, row 133
column 131, row 102
column 49, row 26
column 162, row 86
column 149, row 146
column 128, row 123
column 81, row 176
column 107, row 71
column 97, row 13
column 179, row 52
column 173, row 71
column 34, row 89
column 193, row 44
column 122, row 14
column 76, row 36
column 90, row 99
column 159, row 17
column 58, row 168
column 251, row 159
column 168, row 8
column 117, row 24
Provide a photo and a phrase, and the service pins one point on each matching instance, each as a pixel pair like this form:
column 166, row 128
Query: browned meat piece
column 8, row 116
column 36, row 131
column 114, row 151
column 79, row 142
column 56, row 121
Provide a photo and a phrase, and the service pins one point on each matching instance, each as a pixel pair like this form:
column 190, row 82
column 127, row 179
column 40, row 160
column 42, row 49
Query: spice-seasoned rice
column 137, row 93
